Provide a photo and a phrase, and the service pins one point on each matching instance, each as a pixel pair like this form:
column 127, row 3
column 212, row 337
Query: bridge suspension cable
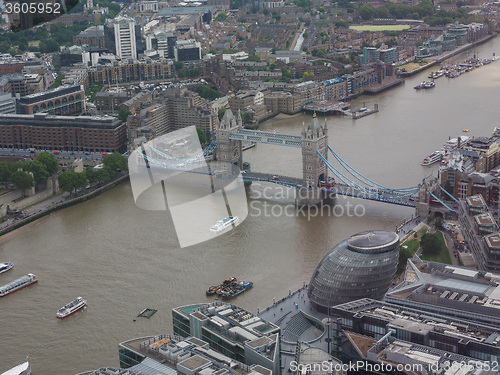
column 360, row 177
column 371, row 190
column 444, row 204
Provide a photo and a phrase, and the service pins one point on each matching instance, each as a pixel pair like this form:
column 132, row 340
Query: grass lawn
column 380, row 27
column 412, row 244
column 443, row 256
column 412, row 66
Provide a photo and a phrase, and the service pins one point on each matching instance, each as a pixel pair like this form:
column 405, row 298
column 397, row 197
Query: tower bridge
column 321, row 177
column 315, row 184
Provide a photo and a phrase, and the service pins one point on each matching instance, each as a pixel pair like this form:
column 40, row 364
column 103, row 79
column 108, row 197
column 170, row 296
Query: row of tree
column 24, row 174
column 71, row 181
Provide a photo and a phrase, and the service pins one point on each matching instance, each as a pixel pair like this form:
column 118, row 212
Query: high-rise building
column 187, row 50
column 125, row 38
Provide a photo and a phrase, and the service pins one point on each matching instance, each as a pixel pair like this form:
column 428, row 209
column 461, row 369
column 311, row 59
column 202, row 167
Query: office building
column 7, row 104
column 362, row 266
column 125, row 42
column 93, row 36
column 232, row 331
column 174, row 355
column 377, row 319
column 64, row 100
column 187, row 50
column 480, row 231
column 46, row 132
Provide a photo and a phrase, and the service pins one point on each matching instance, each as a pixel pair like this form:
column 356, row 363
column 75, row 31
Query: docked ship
column 22, row 369
column 4, row 267
column 18, row 284
column 224, row 223
column 236, row 289
column 71, row 308
column 454, row 143
column 433, row 158
column 218, row 289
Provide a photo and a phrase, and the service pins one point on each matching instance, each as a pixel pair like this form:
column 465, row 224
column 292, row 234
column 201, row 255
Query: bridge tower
column 229, row 150
column 422, row 206
column 314, row 139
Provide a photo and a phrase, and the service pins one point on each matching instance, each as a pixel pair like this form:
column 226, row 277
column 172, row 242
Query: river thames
column 123, row 259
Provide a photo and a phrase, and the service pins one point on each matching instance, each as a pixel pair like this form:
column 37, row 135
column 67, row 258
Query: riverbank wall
column 71, row 202
column 440, row 59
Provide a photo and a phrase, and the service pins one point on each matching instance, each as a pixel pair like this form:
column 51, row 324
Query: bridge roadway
column 380, row 195
column 266, row 137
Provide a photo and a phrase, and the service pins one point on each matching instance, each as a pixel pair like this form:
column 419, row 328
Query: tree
column 207, row 93
column 115, row 161
column 201, row 135
column 123, row 114
column 22, row 180
column 430, row 244
column 49, row 161
column 91, row 174
column 438, row 222
column 70, row 181
column 5, row 171
column 38, row 169
column 178, row 65
column 246, row 117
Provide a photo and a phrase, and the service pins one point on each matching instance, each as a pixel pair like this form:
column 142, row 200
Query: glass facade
column 362, row 266
column 128, row 358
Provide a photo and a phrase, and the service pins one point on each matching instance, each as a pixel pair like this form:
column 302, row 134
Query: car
column 275, row 177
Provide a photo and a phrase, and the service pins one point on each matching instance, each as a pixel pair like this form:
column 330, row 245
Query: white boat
column 71, row 308
column 4, row 267
column 452, row 144
column 22, row 369
column 224, row 223
column 433, row 158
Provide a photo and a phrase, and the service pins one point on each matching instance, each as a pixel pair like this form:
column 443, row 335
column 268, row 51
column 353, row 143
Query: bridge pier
column 311, row 197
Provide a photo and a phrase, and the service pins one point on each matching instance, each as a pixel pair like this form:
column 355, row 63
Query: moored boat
column 236, row 289
column 218, row 289
column 224, row 223
column 433, row 158
column 22, row 369
column 5, row 266
column 71, row 308
column 18, row 284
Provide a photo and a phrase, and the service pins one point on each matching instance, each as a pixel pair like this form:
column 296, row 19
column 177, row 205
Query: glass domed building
column 362, row 266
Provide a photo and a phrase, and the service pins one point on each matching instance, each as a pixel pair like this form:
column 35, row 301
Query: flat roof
column 484, row 219
column 194, row 362
column 476, row 200
column 493, row 240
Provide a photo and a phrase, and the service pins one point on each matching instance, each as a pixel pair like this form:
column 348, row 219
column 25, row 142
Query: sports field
column 380, row 27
